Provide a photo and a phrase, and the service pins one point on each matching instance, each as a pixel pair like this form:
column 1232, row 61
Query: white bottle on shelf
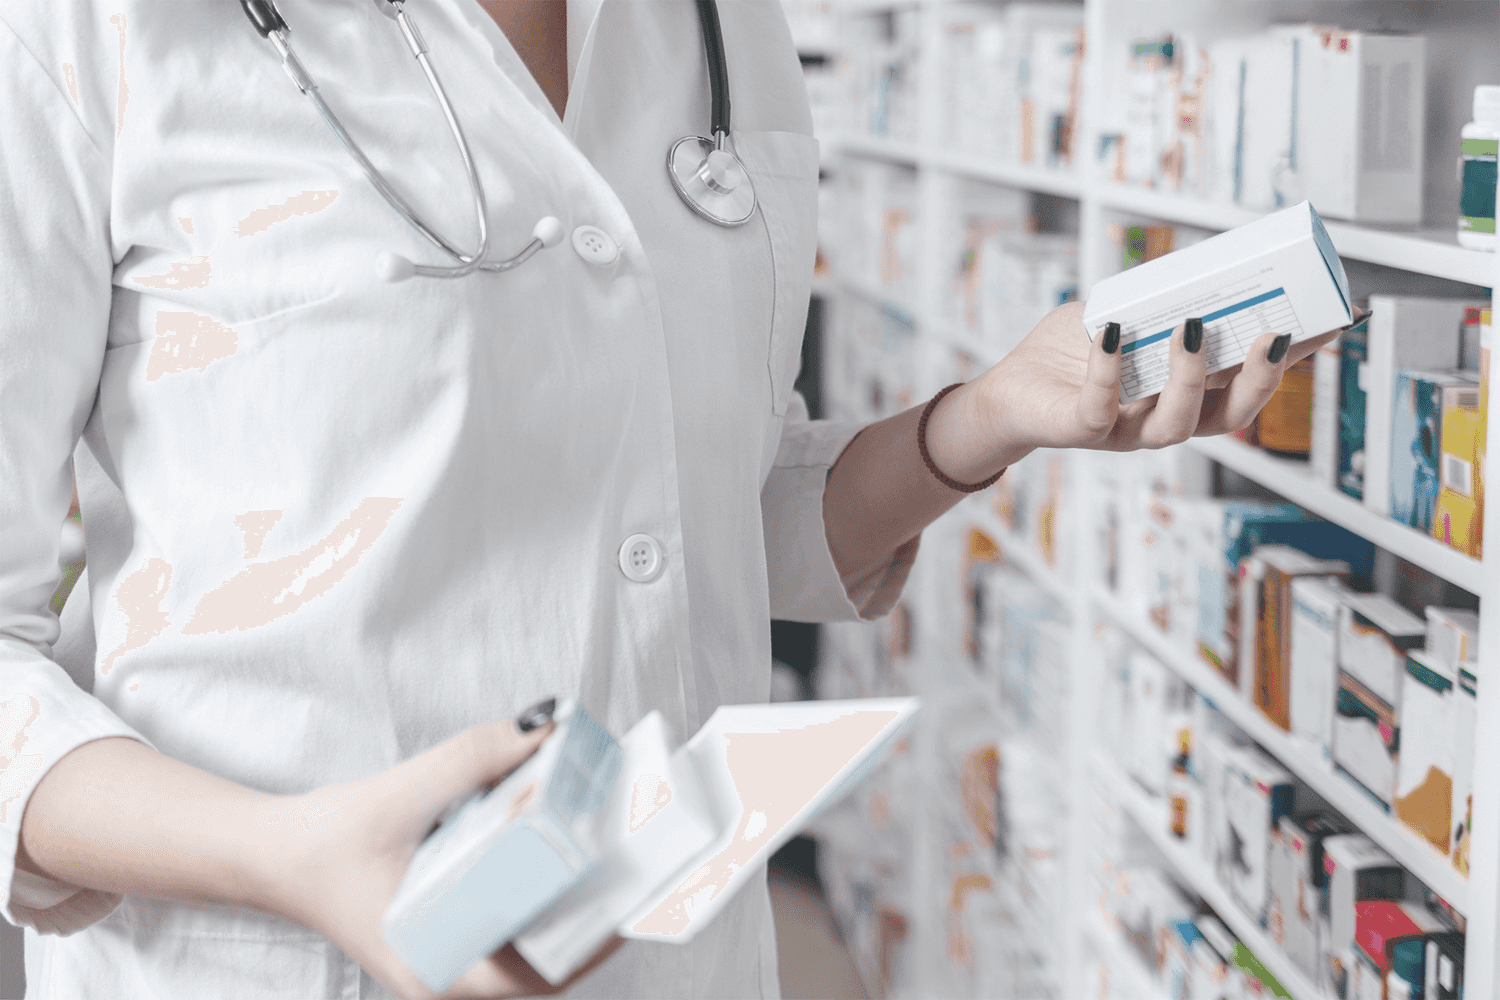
column 1481, row 143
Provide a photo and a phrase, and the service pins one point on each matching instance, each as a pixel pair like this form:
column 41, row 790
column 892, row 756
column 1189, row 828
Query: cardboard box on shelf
column 1375, row 634
column 1266, row 601
column 1257, row 793
column 1323, row 453
column 1296, row 886
column 1443, row 966
column 1418, row 406
column 1379, row 926
column 1354, row 351
column 1406, row 331
column 1277, row 274
column 1424, row 774
column 1360, row 105
column 1466, row 717
column 1452, row 635
column 1224, row 533
column 1460, row 501
column 1356, row 871
column 1366, row 739
column 1316, row 607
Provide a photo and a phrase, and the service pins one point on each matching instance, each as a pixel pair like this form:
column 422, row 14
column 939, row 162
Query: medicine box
column 1424, row 774
column 1366, row 739
column 1452, row 635
column 1257, row 793
column 1360, row 107
column 1418, row 403
column 1356, row 870
column 1267, row 577
column 1323, row 459
column 1354, row 352
column 1381, row 924
column 1375, row 634
column 1443, row 966
column 1460, row 502
column 1277, row 274
column 1228, row 531
column 1465, row 716
column 1316, row 606
column 1411, row 332
column 506, row 854
column 1297, row 877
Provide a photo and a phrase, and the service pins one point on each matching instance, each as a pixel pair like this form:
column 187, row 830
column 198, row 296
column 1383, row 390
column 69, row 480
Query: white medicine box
column 1316, row 607
column 1278, row 274
column 1375, row 634
column 1360, row 123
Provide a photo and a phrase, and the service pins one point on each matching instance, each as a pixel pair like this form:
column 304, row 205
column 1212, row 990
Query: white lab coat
column 332, row 522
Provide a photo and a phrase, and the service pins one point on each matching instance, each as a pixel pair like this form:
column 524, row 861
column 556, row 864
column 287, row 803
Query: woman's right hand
column 345, row 848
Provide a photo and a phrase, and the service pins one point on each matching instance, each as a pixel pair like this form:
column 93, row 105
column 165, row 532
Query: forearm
column 118, row 816
column 880, row 494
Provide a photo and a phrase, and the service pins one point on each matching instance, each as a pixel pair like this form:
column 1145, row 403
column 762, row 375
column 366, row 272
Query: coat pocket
column 784, row 168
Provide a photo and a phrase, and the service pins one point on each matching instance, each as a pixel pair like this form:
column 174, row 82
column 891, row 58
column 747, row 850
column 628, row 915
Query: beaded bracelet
column 952, row 484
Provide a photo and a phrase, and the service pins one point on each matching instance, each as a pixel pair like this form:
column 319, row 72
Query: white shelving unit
column 1431, row 251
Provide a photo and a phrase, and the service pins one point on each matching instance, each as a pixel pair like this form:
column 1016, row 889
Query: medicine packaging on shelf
column 1366, row 738
column 1452, row 636
column 1406, row 332
column 1429, row 726
column 1379, row 927
column 1277, row 274
column 1375, row 634
column 1316, row 609
column 1359, row 112
column 1465, row 717
column 1422, row 405
column 1266, row 602
column 1296, row 885
column 1257, row 793
column 1357, row 871
column 1323, row 428
column 1443, row 966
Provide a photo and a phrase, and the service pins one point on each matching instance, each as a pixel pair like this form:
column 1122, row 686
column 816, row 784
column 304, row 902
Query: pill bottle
column 1476, row 200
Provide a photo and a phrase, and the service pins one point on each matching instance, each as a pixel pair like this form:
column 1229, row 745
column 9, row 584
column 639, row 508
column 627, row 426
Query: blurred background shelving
column 974, row 179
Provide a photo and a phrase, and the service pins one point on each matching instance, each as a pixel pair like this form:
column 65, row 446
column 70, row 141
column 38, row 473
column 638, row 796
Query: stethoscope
column 707, row 175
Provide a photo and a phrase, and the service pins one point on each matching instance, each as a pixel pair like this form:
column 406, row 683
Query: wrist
column 967, row 438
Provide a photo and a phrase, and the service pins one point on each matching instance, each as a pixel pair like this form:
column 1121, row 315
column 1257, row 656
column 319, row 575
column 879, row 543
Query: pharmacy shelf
column 1134, row 979
column 1290, row 479
column 1196, row 873
column 875, row 147
column 1415, row 854
column 1067, row 185
column 882, row 297
column 1015, row 549
column 1425, row 251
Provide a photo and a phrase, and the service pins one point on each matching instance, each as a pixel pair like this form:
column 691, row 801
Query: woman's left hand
column 1059, row 390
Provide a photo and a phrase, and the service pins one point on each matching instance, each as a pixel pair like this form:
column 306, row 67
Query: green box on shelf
column 1354, row 352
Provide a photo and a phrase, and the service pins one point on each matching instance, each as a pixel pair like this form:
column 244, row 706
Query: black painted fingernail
column 1111, row 338
column 1278, row 348
column 1192, row 336
column 537, row 715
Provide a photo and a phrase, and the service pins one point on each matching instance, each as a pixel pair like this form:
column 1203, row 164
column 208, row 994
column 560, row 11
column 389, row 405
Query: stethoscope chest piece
column 711, row 180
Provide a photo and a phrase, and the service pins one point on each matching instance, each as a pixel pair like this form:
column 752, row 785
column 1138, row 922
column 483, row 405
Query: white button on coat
column 641, row 558
column 595, row 245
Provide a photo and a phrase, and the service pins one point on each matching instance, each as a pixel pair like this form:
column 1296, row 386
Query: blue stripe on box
column 1255, row 301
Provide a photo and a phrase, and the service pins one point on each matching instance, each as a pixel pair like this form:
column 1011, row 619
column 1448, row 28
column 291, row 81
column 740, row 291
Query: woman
column 338, row 527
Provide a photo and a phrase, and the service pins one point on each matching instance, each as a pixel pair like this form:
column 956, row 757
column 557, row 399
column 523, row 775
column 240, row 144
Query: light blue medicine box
column 506, row 854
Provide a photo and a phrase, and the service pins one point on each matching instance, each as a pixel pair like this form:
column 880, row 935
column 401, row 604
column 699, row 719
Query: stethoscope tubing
column 269, row 23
